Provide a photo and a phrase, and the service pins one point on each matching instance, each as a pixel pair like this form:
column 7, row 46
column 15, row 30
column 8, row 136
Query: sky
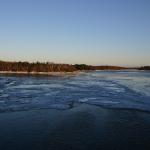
column 96, row 32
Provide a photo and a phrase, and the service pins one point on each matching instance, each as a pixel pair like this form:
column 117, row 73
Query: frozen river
column 110, row 89
column 108, row 110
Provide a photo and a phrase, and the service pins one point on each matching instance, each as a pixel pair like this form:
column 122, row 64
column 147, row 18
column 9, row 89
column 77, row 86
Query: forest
column 35, row 67
column 53, row 67
column 144, row 68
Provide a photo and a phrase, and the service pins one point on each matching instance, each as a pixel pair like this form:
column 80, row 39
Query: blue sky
column 97, row 32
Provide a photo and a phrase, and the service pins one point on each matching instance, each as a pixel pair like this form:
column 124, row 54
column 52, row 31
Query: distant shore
column 47, row 68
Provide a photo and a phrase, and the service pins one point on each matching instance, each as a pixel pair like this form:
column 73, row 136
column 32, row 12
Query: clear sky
column 97, row 32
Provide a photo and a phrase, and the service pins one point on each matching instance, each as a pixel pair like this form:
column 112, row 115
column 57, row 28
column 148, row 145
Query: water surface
column 110, row 89
column 108, row 110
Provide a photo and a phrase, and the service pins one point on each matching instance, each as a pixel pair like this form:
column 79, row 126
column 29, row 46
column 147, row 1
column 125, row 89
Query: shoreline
column 40, row 73
column 61, row 72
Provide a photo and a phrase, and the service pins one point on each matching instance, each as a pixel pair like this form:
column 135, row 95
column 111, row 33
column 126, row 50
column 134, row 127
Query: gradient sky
column 97, row 32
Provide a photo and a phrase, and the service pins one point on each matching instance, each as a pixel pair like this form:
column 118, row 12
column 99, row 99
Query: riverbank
column 39, row 73
column 59, row 73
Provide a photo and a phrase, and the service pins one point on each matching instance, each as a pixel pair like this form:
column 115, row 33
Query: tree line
column 35, row 67
column 144, row 68
column 50, row 67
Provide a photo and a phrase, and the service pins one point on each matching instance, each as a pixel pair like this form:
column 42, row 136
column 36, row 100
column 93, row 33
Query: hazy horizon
column 93, row 32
